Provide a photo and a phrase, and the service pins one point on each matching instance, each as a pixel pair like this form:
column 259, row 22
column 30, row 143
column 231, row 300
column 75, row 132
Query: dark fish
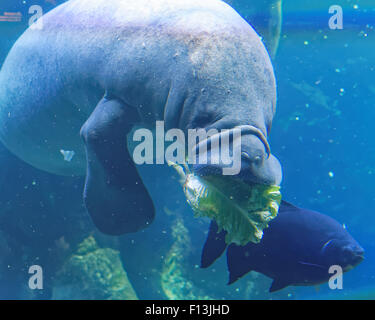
column 298, row 248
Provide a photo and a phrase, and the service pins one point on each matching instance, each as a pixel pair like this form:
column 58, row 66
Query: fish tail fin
column 232, row 278
column 279, row 284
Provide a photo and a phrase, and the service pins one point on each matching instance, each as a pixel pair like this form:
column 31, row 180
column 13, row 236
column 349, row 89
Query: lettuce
column 242, row 210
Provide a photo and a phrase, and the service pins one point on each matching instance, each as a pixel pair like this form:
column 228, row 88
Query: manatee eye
column 245, row 155
column 258, row 160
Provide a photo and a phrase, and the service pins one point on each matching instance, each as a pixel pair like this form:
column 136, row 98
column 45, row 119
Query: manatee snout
column 251, row 161
column 257, row 165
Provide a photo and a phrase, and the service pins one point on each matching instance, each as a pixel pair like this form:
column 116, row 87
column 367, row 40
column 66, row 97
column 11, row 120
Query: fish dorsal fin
column 287, row 205
column 214, row 247
column 233, row 278
column 279, row 284
column 239, row 262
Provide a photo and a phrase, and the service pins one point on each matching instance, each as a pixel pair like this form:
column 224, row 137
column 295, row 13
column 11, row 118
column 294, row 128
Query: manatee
column 97, row 69
column 298, row 249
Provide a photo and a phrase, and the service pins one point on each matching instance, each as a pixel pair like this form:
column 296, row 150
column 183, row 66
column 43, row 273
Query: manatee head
column 230, row 84
column 250, row 159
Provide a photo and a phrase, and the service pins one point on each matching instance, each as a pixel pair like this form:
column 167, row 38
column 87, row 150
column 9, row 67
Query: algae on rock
column 174, row 278
column 93, row 273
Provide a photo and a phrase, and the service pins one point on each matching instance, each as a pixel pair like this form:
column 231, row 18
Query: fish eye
column 348, row 250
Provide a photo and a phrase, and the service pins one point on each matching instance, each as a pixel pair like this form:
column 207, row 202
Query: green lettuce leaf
column 242, row 210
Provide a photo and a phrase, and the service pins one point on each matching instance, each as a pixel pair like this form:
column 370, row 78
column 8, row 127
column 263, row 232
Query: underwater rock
column 182, row 279
column 174, row 278
column 93, row 273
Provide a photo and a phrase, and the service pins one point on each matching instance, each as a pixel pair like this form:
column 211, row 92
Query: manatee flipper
column 214, row 247
column 114, row 193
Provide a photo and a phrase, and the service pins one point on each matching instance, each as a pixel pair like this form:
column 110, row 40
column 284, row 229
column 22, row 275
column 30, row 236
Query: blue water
column 322, row 134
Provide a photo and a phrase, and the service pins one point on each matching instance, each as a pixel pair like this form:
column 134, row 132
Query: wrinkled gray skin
column 97, row 68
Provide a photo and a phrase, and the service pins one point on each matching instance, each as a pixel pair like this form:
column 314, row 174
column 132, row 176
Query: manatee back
column 53, row 78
